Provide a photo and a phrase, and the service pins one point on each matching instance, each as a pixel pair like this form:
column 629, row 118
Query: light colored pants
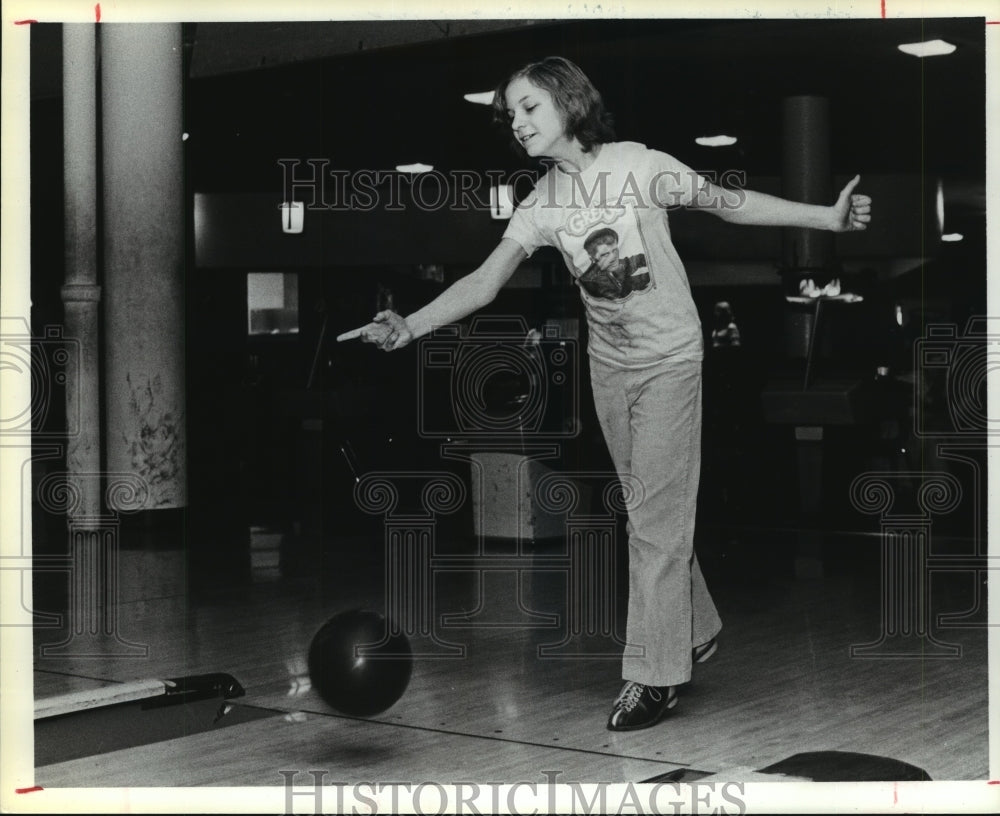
column 652, row 424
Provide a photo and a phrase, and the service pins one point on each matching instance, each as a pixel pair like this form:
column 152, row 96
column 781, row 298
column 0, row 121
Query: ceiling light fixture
column 715, row 141
column 414, row 168
column 928, row 48
column 484, row 98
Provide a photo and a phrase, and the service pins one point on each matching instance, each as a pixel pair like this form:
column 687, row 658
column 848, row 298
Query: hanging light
column 415, row 168
column 482, row 98
column 715, row 141
column 928, row 48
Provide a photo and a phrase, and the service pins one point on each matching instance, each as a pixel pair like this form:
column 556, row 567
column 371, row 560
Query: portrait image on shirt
column 612, row 264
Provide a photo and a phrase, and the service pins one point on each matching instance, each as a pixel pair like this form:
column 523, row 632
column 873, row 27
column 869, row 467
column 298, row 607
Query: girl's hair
column 573, row 94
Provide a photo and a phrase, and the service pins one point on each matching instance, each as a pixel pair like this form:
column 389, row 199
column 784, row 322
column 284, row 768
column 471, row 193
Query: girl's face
column 537, row 122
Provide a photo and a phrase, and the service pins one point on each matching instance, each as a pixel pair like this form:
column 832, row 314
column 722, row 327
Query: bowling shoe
column 640, row 706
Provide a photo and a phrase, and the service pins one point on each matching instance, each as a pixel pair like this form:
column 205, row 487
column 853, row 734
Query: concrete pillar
column 81, row 294
column 141, row 87
column 806, row 253
column 806, row 177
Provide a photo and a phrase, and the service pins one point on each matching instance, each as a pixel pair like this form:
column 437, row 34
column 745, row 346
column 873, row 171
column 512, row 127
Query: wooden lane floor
column 455, row 718
column 348, row 751
column 783, row 682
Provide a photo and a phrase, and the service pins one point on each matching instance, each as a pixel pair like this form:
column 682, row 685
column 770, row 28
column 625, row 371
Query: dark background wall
column 269, row 414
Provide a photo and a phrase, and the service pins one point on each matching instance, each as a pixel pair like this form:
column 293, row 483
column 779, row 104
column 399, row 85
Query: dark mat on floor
column 845, row 766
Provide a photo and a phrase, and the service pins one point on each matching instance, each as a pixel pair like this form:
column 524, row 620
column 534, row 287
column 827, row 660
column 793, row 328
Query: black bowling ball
column 358, row 664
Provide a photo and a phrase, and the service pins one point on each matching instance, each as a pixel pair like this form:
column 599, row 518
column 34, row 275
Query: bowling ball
column 357, row 665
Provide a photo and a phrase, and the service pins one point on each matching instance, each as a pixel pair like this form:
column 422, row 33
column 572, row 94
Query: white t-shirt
column 610, row 224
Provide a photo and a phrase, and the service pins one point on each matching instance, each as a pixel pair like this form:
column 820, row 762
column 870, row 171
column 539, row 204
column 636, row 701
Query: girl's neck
column 576, row 159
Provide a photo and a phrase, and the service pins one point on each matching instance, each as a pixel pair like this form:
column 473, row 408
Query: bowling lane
column 505, row 695
column 350, row 750
column 782, row 682
column 507, row 710
column 49, row 684
column 255, row 632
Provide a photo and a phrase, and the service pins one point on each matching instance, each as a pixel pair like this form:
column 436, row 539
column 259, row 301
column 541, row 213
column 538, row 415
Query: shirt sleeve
column 523, row 227
column 675, row 185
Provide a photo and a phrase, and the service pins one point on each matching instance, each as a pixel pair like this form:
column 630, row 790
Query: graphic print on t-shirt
column 609, row 260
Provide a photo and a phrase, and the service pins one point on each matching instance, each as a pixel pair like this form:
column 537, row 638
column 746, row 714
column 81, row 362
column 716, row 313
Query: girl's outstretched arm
column 390, row 331
column 851, row 212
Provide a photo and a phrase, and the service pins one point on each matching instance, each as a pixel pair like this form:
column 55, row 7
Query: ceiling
column 371, row 95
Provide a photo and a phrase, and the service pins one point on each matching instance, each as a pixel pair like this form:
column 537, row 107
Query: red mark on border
column 29, row 790
column 24, row 22
column 97, row 12
column 994, row 782
column 883, row 9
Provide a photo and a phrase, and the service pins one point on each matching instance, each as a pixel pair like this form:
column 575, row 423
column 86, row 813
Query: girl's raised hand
column 852, row 212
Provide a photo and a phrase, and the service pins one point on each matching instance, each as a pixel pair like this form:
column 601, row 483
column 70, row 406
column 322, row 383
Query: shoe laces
column 629, row 697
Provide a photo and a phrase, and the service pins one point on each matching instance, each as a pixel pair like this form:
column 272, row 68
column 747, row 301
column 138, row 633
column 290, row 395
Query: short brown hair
column 574, row 96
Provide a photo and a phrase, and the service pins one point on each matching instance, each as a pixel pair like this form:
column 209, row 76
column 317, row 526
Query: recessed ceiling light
column 951, row 237
column 484, row 98
column 715, row 141
column 414, row 168
column 930, row 48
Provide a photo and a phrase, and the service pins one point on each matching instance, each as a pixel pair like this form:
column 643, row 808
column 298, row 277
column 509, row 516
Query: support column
column 805, row 177
column 806, row 253
column 141, row 87
column 81, row 295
